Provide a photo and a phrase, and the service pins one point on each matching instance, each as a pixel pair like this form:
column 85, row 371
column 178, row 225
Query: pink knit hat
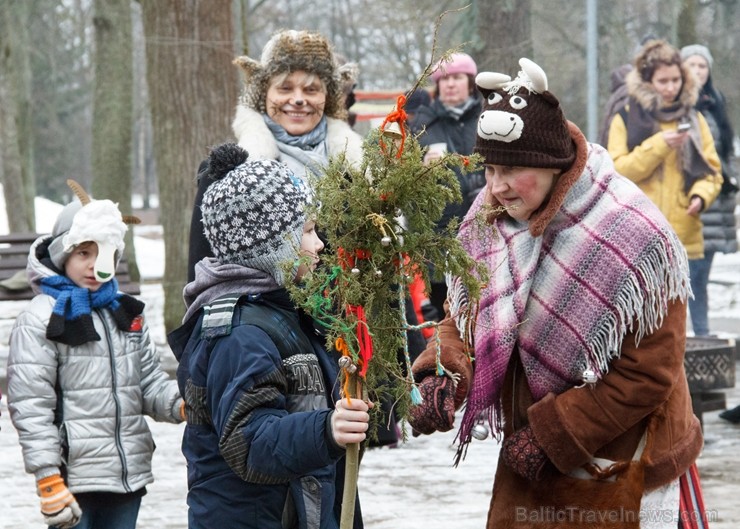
column 458, row 63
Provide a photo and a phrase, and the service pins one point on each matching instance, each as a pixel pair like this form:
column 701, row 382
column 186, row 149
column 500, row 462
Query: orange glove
column 58, row 506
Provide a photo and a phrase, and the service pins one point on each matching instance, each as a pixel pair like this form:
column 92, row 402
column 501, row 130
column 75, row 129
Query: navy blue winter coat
column 258, row 441
column 458, row 132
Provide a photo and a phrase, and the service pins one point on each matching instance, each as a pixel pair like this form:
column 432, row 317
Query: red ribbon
column 347, row 258
column 364, row 340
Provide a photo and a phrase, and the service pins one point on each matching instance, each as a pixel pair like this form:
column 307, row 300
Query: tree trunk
column 112, row 111
column 505, row 35
column 16, row 139
column 193, row 89
column 687, row 23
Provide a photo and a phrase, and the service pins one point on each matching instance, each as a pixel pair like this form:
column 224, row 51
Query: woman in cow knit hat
column 292, row 110
column 578, row 338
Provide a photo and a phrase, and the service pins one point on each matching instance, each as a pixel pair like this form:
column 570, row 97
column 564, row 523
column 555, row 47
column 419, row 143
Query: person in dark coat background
column 719, row 230
column 448, row 124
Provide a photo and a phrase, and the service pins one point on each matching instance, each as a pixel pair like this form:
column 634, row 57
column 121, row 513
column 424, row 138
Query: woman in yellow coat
column 663, row 145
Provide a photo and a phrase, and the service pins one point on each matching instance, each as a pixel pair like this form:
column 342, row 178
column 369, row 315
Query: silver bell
column 385, row 241
column 355, row 271
column 480, row 432
column 589, row 376
column 345, row 362
column 378, row 273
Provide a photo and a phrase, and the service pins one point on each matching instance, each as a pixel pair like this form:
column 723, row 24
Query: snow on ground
column 414, row 486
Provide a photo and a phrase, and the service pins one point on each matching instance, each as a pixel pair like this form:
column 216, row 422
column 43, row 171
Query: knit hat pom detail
column 225, row 158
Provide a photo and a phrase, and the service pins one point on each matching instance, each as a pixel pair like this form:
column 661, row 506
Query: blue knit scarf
column 71, row 320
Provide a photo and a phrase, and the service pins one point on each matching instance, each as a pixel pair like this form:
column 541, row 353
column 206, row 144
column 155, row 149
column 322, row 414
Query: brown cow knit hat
column 522, row 124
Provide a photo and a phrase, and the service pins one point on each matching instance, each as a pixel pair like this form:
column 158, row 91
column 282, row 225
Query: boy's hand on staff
column 349, row 422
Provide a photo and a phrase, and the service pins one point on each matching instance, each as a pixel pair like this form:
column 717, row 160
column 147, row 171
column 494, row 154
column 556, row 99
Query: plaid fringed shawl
column 606, row 264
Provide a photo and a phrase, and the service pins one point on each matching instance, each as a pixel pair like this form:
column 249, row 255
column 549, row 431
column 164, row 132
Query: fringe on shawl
column 462, row 312
column 661, row 277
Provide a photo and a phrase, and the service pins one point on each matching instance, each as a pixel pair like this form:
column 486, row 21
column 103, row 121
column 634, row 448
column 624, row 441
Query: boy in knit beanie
column 82, row 373
column 266, row 429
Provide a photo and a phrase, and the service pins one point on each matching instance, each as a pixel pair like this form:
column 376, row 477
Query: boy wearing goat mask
column 82, row 373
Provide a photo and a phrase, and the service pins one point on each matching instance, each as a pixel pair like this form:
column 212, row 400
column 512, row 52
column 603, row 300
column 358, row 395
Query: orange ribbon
column 341, row 346
column 396, row 116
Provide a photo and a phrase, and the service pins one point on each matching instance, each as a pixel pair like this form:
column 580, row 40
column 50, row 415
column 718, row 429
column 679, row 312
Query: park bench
column 710, row 366
column 14, row 249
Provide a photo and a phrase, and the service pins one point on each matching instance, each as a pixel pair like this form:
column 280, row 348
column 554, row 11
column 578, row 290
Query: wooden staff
column 353, row 389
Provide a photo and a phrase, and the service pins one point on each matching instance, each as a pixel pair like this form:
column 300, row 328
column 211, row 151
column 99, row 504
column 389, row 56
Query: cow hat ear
column 536, row 75
column 538, row 80
column 487, row 82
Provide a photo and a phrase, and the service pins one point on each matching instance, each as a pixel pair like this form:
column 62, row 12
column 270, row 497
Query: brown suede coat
column 645, row 387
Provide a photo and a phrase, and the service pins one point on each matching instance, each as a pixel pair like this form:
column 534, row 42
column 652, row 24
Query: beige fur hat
column 291, row 50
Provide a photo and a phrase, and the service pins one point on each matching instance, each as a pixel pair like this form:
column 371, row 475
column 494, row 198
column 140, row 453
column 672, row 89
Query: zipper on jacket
column 114, row 387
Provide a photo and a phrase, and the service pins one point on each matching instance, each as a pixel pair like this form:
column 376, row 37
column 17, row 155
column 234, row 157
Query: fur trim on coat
column 650, row 100
column 254, row 136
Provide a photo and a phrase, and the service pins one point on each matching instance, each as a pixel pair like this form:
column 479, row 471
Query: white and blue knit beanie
column 254, row 215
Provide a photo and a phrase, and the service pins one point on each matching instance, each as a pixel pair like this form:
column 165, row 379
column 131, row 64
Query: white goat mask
column 101, row 222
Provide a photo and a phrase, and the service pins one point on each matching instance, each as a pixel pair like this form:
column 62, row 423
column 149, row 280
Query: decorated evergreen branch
column 379, row 222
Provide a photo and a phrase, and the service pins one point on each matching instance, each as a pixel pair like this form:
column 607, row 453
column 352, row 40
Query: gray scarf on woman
column 458, row 111
column 304, row 153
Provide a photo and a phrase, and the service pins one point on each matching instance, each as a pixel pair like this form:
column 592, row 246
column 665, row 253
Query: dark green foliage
column 355, row 208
